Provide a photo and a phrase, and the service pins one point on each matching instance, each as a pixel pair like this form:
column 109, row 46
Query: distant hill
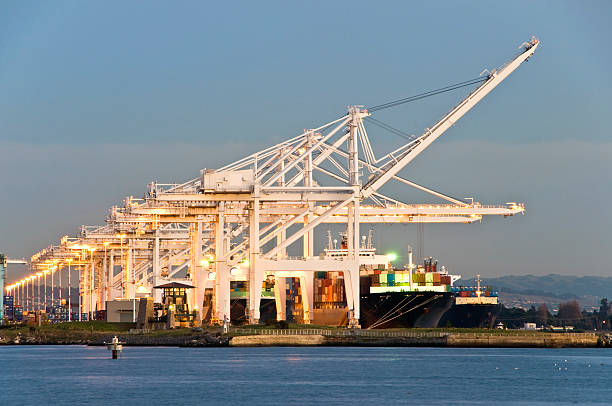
column 553, row 285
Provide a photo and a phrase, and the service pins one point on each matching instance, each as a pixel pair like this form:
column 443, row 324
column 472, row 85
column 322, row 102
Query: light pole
column 59, row 277
column 91, row 284
column 69, row 294
column 31, row 304
column 39, row 274
column 123, row 288
column 45, row 272
column 80, row 308
column 32, row 292
column 105, row 276
column 52, row 288
column 80, row 295
column 133, row 287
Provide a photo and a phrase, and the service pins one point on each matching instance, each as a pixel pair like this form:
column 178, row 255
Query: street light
column 59, row 277
column 105, row 272
column 69, row 294
column 123, row 288
column 32, row 277
column 52, row 287
column 38, row 275
column 91, row 284
column 45, row 272
column 80, row 295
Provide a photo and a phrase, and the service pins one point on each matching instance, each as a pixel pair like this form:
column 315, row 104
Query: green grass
column 174, row 332
column 88, row 326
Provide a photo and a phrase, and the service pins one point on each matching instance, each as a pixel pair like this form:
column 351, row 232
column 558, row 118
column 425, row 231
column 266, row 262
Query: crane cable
column 400, row 313
column 428, row 94
column 391, row 129
column 400, row 133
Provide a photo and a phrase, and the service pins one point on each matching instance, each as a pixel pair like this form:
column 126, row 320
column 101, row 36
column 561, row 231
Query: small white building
column 121, row 311
column 530, row 326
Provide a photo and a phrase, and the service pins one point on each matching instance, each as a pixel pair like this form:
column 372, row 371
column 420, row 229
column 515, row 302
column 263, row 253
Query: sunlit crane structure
column 238, row 222
column 4, row 261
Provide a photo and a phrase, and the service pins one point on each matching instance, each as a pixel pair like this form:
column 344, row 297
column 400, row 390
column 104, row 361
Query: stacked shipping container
column 239, row 289
column 471, row 291
column 329, row 290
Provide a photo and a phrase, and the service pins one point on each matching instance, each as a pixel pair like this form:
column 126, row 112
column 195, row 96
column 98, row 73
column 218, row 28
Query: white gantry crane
column 4, row 261
column 237, row 222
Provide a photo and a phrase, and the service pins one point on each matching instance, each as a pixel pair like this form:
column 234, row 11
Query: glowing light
column 392, row 256
column 234, row 271
column 212, row 275
column 245, row 262
column 204, row 263
column 142, row 289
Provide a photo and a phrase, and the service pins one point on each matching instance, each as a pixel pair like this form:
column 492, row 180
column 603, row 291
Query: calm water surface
column 60, row 375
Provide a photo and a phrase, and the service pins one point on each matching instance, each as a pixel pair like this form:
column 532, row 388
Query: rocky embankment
column 144, row 340
column 492, row 340
column 163, row 338
column 540, row 340
column 199, row 338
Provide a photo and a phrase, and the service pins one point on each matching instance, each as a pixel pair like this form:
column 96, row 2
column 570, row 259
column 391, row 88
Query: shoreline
column 258, row 337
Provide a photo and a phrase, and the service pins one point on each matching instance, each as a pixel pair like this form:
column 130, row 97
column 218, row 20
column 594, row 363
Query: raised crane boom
column 421, row 143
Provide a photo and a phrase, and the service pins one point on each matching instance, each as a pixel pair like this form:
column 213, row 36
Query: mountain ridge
column 554, row 285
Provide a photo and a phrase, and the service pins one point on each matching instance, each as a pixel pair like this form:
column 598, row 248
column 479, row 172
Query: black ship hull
column 471, row 316
column 390, row 310
column 404, row 310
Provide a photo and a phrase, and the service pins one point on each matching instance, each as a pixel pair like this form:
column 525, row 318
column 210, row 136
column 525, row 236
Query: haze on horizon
column 98, row 99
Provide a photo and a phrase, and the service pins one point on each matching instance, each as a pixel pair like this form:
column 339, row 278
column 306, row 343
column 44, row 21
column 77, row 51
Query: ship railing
column 451, row 206
column 343, row 333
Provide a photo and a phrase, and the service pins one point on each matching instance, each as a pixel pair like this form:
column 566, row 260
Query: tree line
column 569, row 314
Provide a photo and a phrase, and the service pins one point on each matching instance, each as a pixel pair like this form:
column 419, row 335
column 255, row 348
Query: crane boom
column 495, row 78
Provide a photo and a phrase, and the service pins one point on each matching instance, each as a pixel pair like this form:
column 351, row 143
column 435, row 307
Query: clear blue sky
column 99, row 98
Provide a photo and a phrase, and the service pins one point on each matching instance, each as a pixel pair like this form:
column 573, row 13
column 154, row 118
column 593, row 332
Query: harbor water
column 62, row 375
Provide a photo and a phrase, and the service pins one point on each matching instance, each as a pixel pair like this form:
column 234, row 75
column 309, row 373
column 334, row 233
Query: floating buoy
column 115, row 346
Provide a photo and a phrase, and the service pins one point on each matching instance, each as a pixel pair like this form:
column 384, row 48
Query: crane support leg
column 306, row 284
column 256, row 274
column 222, row 283
column 280, row 298
column 198, row 277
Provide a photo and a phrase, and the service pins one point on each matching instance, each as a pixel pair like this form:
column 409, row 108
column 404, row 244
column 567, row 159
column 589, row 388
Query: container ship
column 417, row 296
column 421, row 295
column 475, row 307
